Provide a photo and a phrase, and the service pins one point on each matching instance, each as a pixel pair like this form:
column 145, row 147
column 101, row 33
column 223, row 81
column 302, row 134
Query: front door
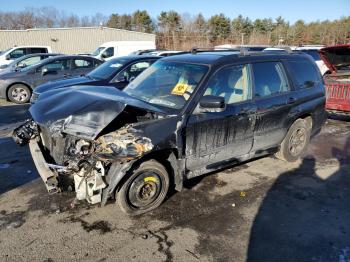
column 53, row 70
column 214, row 139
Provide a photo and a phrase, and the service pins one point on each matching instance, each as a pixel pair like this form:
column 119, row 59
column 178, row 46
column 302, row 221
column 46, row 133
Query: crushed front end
column 65, row 162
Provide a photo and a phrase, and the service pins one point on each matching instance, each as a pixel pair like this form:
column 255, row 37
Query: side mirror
column 103, row 55
column 44, row 71
column 21, row 66
column 212, row 103
column 7, row 57
column 121, row 79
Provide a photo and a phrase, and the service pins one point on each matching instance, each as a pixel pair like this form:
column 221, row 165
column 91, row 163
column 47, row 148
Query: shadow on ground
column 305, row 215
column 16, row 165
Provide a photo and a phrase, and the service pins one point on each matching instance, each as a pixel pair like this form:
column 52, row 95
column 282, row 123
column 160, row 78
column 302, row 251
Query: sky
column 291, row 10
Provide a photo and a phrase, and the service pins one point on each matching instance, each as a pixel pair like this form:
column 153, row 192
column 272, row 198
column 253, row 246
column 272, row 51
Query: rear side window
column 269, row 79
column 82, row 63
column 305, row 73
column 35, row 50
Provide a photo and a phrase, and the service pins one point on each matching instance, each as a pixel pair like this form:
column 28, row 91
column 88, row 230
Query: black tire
column 19, row 93
column 295, row 142
column 145, row 189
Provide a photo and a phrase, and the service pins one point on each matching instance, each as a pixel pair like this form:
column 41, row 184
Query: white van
column 13, row 53
column 113, row 49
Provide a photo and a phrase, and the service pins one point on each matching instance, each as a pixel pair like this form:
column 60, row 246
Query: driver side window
column 132, row 71
column 57, row 65
column 233, row 83
column 17, row 53
column 109, row 52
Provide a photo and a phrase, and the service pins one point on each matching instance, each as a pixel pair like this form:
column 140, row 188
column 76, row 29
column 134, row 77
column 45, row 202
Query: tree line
column 183, row 31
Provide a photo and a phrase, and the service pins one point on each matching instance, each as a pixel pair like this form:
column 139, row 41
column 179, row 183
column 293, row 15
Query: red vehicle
column 337, row 58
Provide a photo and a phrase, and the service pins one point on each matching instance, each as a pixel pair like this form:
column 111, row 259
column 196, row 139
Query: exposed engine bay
column 83, row 163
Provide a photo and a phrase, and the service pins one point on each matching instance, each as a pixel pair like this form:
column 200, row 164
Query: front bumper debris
column 49, row 177
column 25, row 132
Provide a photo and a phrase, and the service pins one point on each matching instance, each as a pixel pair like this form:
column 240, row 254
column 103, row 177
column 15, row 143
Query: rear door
column 274, row 99
column 215, row 138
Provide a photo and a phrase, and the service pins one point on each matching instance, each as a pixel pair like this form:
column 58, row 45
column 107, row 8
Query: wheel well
column 308, row 119
column 17, row 83
column 162, row 157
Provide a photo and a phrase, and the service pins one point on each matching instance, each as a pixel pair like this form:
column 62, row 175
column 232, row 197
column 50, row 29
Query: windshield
column 97, row 51
column 168, row 84
column 108, row 69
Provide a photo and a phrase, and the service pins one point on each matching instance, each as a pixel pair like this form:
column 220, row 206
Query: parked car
column 142, row 52
column 251, row 48
column 17, row 86
column 337, row 59
column 166, row 52
column 115, row 49
column 312, row 50
column 13, row 53
column 117, row 72
column 25, row 61
column 184, row 116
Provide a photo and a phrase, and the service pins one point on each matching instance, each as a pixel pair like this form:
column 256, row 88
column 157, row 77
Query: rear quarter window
column 304, row 73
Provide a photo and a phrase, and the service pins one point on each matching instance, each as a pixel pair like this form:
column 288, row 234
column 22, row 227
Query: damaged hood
column 336, row 57
column 83, row 111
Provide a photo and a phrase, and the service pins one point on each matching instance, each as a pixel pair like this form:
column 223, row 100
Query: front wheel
column 295, row 142
column 145, row 189
column 19, row 93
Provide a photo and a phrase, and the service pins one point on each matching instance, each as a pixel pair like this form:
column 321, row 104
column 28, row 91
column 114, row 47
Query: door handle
column 291, row 100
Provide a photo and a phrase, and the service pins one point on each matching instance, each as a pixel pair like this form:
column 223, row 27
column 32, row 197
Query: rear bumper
column 49, row 177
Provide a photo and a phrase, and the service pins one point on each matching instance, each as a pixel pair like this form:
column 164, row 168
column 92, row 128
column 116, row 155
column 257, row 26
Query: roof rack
column 196, row 50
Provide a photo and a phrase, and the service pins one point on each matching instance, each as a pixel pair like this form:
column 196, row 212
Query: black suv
column 182, row 117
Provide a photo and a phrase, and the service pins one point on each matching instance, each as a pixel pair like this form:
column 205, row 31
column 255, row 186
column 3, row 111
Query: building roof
column 75, row 28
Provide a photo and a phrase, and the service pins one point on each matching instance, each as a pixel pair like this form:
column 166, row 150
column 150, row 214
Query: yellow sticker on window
column 180, row 89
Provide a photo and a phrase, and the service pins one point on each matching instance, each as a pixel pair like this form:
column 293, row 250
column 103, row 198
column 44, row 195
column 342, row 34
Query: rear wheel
column 19, row 93
column 295, row 142
column 145, row 189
